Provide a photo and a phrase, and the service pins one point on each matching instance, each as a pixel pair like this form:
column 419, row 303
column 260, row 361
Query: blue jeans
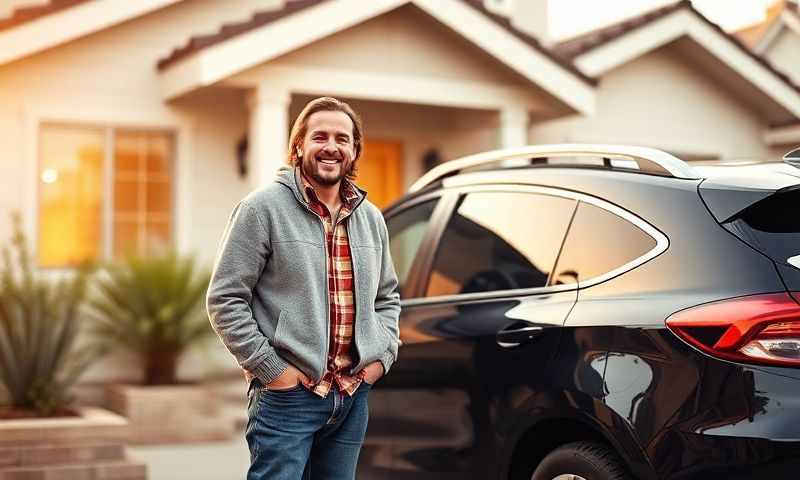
column 294, row 434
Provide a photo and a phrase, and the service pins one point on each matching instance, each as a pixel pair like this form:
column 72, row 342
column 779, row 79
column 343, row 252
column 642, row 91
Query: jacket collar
column 290, row 178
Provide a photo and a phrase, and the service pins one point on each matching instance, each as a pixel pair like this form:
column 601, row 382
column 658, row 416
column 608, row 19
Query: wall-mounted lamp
column 241, row 156
column 431, row 158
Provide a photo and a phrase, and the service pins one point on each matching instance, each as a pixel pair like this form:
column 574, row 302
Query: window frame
column 109, row 131
column 455, row 193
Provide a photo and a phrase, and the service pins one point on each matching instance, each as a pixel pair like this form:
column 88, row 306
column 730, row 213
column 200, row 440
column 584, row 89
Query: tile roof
column 195, row 44
column 573, row 48
column 530, row 40
column 577, row 46
column 790, row 123
column 22, row 15
column 258, row 19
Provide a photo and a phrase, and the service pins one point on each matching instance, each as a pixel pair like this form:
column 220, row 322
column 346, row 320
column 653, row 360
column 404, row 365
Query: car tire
column 581, row 460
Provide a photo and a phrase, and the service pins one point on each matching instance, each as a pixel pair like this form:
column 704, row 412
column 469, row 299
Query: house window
column 142, row 192
column 103, row 192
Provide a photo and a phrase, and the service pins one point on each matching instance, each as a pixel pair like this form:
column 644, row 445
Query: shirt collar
column 347, row 191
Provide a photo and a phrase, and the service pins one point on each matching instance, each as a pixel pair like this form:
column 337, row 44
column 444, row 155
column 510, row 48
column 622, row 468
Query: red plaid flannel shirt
column 340, row 288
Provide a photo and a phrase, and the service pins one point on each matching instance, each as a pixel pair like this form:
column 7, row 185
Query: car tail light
column 763, row 329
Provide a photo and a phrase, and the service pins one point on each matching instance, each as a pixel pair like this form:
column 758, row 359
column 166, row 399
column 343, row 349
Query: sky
column 572, row 17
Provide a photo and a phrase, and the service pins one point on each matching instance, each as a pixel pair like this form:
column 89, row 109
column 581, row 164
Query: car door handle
column 514, row 335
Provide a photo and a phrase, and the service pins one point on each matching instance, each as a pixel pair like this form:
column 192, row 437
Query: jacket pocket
column 375, row 339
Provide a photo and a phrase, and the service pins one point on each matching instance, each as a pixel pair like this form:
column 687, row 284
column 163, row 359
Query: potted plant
column 154, row 307
column 41, row 432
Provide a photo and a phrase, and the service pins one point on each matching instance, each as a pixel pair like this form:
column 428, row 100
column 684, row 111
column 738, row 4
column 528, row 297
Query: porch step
column 30, row 455
column 120, row 470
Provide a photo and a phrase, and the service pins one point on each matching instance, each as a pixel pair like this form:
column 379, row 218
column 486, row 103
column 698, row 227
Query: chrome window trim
column 662, row 243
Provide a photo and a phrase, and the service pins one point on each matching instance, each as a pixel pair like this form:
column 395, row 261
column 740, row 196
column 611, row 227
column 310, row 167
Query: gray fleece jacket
column 268, row 297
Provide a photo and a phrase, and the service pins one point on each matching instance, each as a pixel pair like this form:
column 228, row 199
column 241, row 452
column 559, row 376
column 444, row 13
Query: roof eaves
column 571, row 49
column 258, row 19
column 530, row 41
column 575, row 47
column 22, row 15
column 791, row 123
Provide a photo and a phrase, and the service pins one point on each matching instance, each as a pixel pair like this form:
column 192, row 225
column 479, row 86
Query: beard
column 312, row 169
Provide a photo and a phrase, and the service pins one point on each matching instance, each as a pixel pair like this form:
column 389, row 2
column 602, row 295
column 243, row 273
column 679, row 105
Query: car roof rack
column 614, row 157
column 793, row 158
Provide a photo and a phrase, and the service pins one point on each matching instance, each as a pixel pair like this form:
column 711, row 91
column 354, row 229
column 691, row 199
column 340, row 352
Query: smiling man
column 304, row 295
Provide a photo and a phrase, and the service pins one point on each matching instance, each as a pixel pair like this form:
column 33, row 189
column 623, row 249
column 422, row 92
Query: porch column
column 268, row 134
column 513, row 127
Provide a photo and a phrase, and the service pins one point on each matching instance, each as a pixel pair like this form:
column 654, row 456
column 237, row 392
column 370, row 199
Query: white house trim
column 34, row 114
column 681, row 23
column 227, row 58
column 268, row 104
column 389, row 87
column 70, row 24
column 789, row 135
column 527, row 61
column 218, row 62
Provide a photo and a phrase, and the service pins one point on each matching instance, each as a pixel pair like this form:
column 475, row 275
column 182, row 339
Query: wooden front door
column 380, row 171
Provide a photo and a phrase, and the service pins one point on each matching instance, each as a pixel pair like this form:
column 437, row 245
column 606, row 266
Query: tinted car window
column 499, row 241
column 772, row 226
column 599, row 242
column 406, row 231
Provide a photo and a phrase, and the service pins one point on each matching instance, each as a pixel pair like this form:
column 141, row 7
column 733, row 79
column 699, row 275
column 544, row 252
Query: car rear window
column 599, row 242
column 772, row 226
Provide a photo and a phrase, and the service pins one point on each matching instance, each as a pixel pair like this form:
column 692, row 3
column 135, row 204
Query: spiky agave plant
column 40, row 320
column 153, row 307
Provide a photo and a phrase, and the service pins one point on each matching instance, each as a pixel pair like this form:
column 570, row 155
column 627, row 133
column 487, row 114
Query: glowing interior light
column 49, row 175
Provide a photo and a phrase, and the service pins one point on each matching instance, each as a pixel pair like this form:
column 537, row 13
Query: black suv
column 593, row 312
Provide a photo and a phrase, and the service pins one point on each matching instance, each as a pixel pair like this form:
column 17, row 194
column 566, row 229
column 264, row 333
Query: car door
column 479, row 325
column 411, row 225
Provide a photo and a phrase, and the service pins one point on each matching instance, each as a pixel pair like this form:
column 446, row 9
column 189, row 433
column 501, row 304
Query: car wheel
column 581, row 461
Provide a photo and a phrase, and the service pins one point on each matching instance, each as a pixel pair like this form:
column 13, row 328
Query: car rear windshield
column 772, row 226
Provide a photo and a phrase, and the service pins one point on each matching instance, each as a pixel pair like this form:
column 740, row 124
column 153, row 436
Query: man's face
column 328, row 147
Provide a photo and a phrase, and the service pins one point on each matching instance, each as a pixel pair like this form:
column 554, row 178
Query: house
column 136, row 126
column 672, row 79
column 777, row 39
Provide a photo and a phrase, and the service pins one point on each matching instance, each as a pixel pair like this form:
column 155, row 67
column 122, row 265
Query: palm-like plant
column 38, row 329
column 153, row 307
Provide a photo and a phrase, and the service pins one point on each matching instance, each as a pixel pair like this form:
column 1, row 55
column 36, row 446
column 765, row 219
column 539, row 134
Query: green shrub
column 39, row 324
column 153, row 307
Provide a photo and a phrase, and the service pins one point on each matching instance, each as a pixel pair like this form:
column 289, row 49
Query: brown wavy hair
column 326, row 104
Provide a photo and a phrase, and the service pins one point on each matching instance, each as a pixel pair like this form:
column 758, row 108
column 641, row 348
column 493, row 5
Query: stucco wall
column 660, row 100
column 784, row 52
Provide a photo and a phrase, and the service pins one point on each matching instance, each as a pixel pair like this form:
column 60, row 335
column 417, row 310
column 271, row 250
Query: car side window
column 599, row 242
column 499, row 241
column 406, row 231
